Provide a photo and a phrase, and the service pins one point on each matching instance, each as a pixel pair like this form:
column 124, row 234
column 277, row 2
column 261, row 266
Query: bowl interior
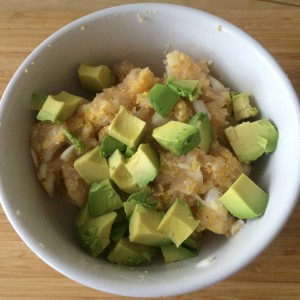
column 143, row 34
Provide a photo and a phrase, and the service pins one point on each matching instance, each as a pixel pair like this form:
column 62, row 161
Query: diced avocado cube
column 120, row 174
column 190, row 89
column 121, row 216
column 202, row 122
column 83, row 216
column 118, row 230
column 172, row 253
column 177, row 137
column 129, row 152
column 59, row 108
column 143, row 165
column 37, row 101
column 129, row 208
column 178, row 223
column 92, row 166
column 131, row 254
column 144, row 197
column 103, row 198
column 143, row 225
column 110, row 144
column 244, row 199
column 162, row 98
column 75, row 140
column 250, row 140
column 192, row 243
column 242, row 108
column 95, row 78
column 127, row 128
column 95, row 233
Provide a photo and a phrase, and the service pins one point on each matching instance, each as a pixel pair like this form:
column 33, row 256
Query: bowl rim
column 175, row 289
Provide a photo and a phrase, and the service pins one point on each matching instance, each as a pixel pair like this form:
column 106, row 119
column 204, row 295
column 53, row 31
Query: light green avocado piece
column 143, row 225
column 92, row 166
column 250, row 140
column 244, row 199
column 59, row 108
column 109, row 145
column 95, row 78
column 129, row 152
column 242, row 108
column 177, row 137
column 131, row 254
column 120, row 174
column 95, row 233
column 143, row 165
column 178, row 223
column 37, row 101
column 83, row 216
column 191, row 243
column 75, row 140
column 103, row 198
column 143, row 197
column 129, row 208
column 162, row 98
column 172, row 253
column 118, row 230
column 202, row 122
column 127, row 128
column 190, row 89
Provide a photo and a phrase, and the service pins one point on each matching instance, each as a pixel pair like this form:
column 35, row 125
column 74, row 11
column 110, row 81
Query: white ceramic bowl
column 142, row 33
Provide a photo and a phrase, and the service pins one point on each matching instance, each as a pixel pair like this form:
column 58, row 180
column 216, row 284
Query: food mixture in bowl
column 152, row 163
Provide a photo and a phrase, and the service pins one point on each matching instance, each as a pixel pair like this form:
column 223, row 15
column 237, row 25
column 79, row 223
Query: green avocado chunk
column 75, row 140
column 162, row 98
column 95, row 78
column 129, row 152
column 95, row 233
column 178, row 223
column 118, row 230
column 202, row 122
column 191, row 243
column 92, row 166
column 242, row 108
column 172, row 253
column 177, row 137
column 127, row 128
column 83, row 216
column 143, row 197
column 37, row 101
column 120, row 174
column 59, row 108
column 103, row 198
column 143, row 225
column 110, row 144
column 250, row 140
column 190, row 89
column 244, row 199
column 143, row 165
column 127, row 253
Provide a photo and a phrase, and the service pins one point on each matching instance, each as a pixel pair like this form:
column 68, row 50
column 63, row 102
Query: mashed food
column 197, row 177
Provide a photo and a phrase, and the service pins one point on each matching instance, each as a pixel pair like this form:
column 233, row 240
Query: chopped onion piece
column 34, row 157
column 216, row 85
column 200, row 106
column 67, row 154
column 212, row 195
column 158, row 120
column 236, row 226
